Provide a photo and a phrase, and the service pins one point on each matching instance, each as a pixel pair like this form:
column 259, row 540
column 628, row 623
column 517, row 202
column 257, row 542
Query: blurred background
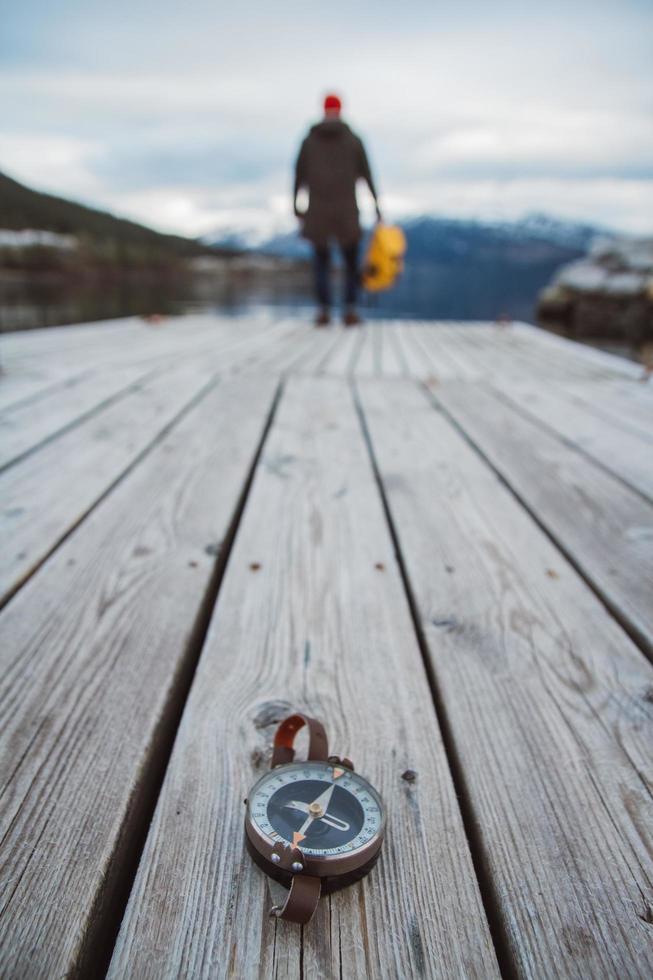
column 147, row 150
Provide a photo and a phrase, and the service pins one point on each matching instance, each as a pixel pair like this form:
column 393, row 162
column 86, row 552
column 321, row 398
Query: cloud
column 61, row 164
column 184, row 117
column 626, row 205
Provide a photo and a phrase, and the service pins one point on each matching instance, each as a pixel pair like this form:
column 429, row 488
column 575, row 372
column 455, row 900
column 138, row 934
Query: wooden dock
column 438, row 538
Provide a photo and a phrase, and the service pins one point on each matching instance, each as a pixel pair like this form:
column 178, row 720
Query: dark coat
column 331, row 159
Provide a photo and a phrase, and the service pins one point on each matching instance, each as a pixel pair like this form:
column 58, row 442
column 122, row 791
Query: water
column 46, row 302
column 423, row 293
column 439, row 291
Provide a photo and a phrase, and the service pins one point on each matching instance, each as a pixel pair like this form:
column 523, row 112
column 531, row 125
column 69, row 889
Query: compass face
column 321, row 808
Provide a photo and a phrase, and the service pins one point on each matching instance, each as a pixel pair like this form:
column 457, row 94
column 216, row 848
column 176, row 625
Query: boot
column 323, row 317
column 351, row 318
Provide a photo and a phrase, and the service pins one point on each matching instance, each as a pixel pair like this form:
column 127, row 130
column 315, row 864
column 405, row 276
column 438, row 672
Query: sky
column 188, row 117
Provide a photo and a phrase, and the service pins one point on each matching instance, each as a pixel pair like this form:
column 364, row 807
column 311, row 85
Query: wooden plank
column 441, row 338
column 624, row 453
column 50, row 339
column 311, row 613
column 273, row 349
column 538, row 358
column 509, row 353
column 365, row 365
column 302, row 349
column 47, row 493
column 336, row 340
column 495, row 352
column 392, row 364
column 489, row 353
column 376, row 330
column 96, row 652
column 449, row 338
column 416, row 364
column 602, row 526
column 183, row 336
column 581, row 353
column 627, row 403
column 444, row 365
column 50, row 369
column 25, row 427
column 548, row 702
column 232, row 339
column 58, row 342
column 66, row 353
column 21, row 384
column 397, row 337
column 321, row 342
column 341, row 359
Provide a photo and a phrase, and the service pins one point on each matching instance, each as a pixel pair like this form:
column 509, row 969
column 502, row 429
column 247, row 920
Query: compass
column 314, row 826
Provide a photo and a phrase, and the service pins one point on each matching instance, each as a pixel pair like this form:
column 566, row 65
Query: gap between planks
column 323, row 623
column 548, row 700
column 144, row 654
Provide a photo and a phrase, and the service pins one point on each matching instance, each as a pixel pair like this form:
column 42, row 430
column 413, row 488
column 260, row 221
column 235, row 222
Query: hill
column 462, row 269
column 101, row 238
column 449, row 239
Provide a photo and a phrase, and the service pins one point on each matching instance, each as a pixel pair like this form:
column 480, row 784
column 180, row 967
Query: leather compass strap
column 302, row 900
column 305, row 889
column 283, row 751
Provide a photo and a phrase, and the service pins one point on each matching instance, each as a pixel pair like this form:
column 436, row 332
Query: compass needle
column 327, row 818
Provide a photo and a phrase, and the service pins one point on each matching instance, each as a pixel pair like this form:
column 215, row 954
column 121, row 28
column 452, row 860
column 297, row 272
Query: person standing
column 331, row 160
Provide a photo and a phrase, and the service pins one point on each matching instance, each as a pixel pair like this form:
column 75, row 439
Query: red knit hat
column 332, row 102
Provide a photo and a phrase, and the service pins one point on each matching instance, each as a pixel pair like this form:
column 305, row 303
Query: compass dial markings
column 344, row 825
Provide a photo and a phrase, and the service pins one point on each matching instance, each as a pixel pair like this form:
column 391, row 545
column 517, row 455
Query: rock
column 606, row 294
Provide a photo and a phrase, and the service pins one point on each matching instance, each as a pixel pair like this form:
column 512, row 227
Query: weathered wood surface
column 341, row 358
column 602, row 525
column 503, row 456
column 624, row 451
column 629, row 404
column 549, row 702
column 28, row 425
column 41, row 362
column 95, row 655
column 311, row 613
column 47, row 493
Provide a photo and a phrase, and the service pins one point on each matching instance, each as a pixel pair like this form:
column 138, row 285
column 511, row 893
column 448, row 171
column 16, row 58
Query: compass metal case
column 338, row 863
column 314, row 826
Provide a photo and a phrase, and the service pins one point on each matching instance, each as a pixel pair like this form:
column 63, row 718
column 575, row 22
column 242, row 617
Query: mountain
column 450, row 239
column 462, row 269
column 101, row 238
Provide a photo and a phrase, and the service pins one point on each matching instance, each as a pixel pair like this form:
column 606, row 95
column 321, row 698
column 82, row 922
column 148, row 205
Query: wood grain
column 629, row 402
column 625, row 453
column 548, row 702
column 572, row 350
column 95, row 653
column 366, row 362
column 341, row 357
column 603, row 526
column 392, row 365
column 46, row 494
column 26, row 426
column 311, row 614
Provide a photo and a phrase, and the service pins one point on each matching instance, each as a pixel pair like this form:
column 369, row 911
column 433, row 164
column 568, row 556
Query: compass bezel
column 325, row 865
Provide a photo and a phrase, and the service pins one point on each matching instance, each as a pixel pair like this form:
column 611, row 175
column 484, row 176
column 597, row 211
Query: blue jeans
column 322, row 270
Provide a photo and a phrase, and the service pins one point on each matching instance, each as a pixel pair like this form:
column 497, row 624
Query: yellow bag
column 385, row 258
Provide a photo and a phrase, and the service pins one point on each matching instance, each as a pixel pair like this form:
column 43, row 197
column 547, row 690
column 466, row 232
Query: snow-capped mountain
column 439, row 238
column 463, row 269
